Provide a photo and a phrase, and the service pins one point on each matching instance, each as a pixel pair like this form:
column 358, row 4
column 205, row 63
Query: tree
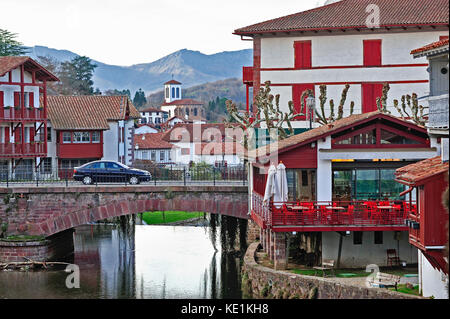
column 76, row 76
column 10, row 46
column 139, row 98
column 117, row 92
column 321, row 118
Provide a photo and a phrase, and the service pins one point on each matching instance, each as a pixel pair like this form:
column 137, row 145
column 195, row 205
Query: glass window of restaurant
column 365, row 184
column 301, row 184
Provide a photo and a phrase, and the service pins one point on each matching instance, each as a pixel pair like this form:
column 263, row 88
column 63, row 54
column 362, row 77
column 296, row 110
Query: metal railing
column 331, row 213
column 159, row 175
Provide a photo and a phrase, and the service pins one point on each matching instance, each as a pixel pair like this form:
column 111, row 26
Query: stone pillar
column 279, row 258
column 253, row 232
column 271, row 244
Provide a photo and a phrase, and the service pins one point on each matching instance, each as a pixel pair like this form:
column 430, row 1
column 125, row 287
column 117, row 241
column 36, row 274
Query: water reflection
column 140, row 261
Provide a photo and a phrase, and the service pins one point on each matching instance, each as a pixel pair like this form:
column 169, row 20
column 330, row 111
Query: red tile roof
column 325, row 130
column 224, row 148
column 416, row 173
column 352, row 14
column 151, row 141
column 172, row 82
column 88, row 112
column 183, row 102
column 8, row 63
column 151, row 110
column 431, row 46
column 189, row 132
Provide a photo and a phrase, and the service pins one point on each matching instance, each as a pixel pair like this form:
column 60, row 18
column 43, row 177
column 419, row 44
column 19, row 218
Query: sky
column 139, row 31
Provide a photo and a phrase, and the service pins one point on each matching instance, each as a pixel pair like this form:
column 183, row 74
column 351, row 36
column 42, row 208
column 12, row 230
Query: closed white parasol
column 272, row 188
column 282, row 183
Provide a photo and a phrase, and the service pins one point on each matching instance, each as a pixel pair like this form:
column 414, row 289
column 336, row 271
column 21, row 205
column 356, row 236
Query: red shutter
column 2, row 99
column 18, row 135
column 297, row 90
column 370, row 92
column 2, row 110
column 443, row 37
column 32, row 134
column 372, row 52
column 7, row 137
column 16, row 98
column 302, row 54
column 31, row 99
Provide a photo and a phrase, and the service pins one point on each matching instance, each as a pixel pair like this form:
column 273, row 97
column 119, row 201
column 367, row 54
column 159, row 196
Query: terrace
column 309, row 216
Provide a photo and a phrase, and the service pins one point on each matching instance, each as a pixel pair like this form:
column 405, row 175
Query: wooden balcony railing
column 319, row 214
column 247, row 75
column 20, row 150
column 16, row 114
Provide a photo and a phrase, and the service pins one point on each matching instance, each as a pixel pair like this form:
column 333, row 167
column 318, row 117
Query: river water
column 141, row 261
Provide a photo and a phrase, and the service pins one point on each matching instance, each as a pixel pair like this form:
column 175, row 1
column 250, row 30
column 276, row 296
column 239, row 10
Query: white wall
column 347, row 50
column 324, row 173
column 432, row 281
column 110, row 142
column 10, row 89
column 359, row 256
column 145, row 130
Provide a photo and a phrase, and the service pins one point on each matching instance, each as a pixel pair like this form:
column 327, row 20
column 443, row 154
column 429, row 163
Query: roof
column 151, row 141
column 325, row 130
column 223, row 148
column 183, row 102
column 172, row 82
column 192, row 132
column 8, row 63
column 442, row 44
column 414, row 174
column 88, row 111
column 152, row 109
column 347, row 14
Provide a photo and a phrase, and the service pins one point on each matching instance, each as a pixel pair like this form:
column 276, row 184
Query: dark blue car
column 109, row 172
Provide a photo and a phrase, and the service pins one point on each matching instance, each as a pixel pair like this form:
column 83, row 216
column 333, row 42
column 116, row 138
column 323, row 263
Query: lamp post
column 310, row 105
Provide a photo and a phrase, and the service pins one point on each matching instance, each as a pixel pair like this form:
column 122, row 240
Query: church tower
column 172, row 91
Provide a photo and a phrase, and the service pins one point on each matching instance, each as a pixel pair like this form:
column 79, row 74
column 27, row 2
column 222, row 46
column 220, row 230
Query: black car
column 109, row 172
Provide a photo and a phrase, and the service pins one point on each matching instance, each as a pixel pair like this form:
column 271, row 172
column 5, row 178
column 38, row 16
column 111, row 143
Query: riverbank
column 259, row 281
column 170, row 217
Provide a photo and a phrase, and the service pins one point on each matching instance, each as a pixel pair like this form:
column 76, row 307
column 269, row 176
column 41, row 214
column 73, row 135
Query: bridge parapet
column 50, row 210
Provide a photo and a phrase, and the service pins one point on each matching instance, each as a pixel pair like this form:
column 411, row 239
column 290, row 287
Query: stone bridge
column 48, row 211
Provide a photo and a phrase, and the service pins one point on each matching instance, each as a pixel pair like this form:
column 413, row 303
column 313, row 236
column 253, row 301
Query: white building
column 153, row 115
column 334, row 45
column 152, row 147
column 145, row 129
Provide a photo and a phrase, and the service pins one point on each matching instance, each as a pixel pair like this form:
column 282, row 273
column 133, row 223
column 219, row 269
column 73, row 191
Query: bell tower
column 172, row 91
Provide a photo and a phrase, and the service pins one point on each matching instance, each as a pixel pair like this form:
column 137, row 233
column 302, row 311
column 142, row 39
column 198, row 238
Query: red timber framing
column 74, row 150
column 23, row 118
column 297, row 90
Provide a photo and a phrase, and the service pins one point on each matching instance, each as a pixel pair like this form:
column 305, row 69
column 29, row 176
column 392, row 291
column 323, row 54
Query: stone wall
column 55, row 248
column 262, row 282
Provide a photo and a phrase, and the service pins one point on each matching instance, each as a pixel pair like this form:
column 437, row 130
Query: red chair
column 375, row 215
column 325, row 214
column 289, row 217
column 396, row 214
column 348, row 215
column 392, row 258
column 309, row 214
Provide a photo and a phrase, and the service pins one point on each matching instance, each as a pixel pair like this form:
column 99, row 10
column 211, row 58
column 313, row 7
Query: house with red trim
column 363, row 43
column 342, row 190
column 23, row 115
column 428, row 179
column 87, row 128
column 152, row 147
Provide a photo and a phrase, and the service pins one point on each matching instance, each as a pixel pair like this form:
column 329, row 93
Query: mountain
column 232, row 89
column 189, row 67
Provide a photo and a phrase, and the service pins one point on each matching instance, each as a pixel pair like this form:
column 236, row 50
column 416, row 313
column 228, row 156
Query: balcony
column 15, row 114
column 331, row 215
column 22, row 150
column 79, row 150
column 247, row 75
column 438, row 112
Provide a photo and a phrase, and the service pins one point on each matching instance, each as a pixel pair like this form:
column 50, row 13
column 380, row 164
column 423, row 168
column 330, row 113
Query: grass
column 357, row 272
column 158, row 218
column 23, row 238
column 404, row 289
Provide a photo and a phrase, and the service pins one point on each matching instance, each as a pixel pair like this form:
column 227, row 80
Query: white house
column 153, row 115
column 145, row 129
column 153, row 147
column 363, row 43
column 208, row 143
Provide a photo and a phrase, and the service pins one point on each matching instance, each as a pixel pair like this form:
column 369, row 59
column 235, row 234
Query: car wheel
column 134, row 180
column 87, row 180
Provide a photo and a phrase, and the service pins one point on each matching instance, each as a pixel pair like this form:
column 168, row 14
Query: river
column 141, row 261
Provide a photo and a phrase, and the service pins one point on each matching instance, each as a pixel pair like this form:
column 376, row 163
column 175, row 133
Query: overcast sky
column 127, row 32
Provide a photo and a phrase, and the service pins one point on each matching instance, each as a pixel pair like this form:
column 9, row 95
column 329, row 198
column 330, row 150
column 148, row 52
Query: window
column 95, row 137
column 145, row 155
column 167, row 93
column 77, row 137
column 392, row 138
column 111, row 165
column 161, row 156
column 378, row 236
column 304, row 178
column 153, row 158
column 364, row 138
column 372, row 52
column 49, row 134
column 357, row 237
column 195, row 112
column 301, row 184
column 67, row 137
column 169, row 153
column 173, row 92
column 302, row 54
column 178, row 93
column 185, row 151
column 46, row 165
column 85, row 137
